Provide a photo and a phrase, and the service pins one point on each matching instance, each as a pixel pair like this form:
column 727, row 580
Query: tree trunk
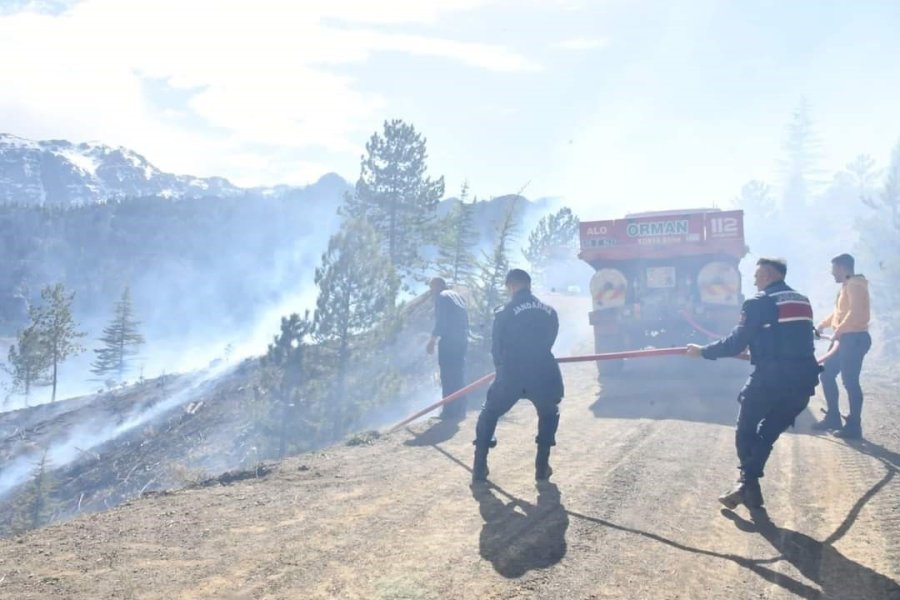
column 282, row 434
column 392, row 233
column 121, row 356
column 343, row 357
column 55, row 364
column 339, row 400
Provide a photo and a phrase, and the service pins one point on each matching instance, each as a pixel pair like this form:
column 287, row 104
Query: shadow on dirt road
column 701, row 398
column 438, row 433
column 515, row 542
column 518, row 536
column 821, row 562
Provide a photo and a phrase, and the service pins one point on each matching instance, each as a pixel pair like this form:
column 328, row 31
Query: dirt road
column 632, row 513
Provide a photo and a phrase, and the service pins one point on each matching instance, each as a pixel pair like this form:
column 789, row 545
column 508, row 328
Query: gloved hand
column 694, row 351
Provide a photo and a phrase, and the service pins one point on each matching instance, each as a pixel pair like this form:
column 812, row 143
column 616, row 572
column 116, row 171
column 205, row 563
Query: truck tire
column 609, row 342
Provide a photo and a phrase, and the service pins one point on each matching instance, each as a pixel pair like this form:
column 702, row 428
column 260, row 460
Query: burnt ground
column 167, row 433
column 199, row 425
column 631, row 513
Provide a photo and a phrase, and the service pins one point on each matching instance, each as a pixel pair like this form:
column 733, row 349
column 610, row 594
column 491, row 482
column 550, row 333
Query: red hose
column 454, row 396
column 624, row 354
column 693, row 323
column 571, row 359
column 832, row 350
column 568, row 359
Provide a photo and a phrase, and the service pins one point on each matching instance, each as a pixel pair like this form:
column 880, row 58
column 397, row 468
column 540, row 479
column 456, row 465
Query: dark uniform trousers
column 765, row 413
column 777, row 326
column 522, row 339
column 502, row 396
column 452, row 361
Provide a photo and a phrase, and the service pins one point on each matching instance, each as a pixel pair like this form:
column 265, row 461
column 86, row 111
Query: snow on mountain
column 60, row 173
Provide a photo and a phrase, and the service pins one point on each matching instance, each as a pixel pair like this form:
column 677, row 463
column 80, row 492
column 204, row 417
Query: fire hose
column 486, row 379
column 697, row 326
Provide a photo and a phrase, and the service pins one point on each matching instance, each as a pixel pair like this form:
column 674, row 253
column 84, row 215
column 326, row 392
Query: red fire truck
column 663, row 278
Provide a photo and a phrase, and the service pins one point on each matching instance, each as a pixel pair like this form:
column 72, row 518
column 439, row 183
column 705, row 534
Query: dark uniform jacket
column 451, row 320
column 777, row 326
column 522, row 340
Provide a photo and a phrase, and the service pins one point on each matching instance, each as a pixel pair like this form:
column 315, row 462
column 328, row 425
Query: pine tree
column 864, row 176
column 554, row 237
column 120, row 341
column 490, row 293
column 758, row 205
column 28, row 361
column 395, row 196
column 890, row 193
column 801, row 167
column 285, row 374
column 456, row 261
column 357, row 291
column 35, row 504
column 880, row 250
column 56, row 329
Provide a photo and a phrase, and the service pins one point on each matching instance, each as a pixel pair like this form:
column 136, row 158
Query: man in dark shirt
column 777, row 326
column 521, row 345
column 451, row 334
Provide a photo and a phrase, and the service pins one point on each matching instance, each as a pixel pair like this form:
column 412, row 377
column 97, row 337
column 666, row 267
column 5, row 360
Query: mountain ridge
column 59, row 172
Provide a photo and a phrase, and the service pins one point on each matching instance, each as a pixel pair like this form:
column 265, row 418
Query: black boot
column 829, row 423
column 746, row 491
column 852, row 430
column 542, row 470
column 479, row 466
column 752, row 494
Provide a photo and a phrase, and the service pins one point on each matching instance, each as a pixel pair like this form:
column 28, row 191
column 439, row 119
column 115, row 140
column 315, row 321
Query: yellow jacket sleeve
column 856, row 317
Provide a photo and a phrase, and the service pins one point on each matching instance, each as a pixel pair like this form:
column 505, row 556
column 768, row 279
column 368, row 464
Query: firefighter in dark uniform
column 523, row 334
column 451, row 333
column 777, row 326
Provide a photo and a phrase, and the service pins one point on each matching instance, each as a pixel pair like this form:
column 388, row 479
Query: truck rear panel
column 664, row 236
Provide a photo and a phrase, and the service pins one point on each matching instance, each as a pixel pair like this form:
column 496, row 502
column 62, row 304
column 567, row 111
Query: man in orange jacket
column 850, row 322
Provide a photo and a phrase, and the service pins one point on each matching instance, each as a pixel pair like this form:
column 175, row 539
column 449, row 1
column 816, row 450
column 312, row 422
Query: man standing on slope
column 850, row 322
column 521, row 345
column 777, row 326
column 451, row 333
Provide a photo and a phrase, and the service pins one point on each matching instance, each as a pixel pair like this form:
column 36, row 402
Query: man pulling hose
column 522, row 338
column 777, row 326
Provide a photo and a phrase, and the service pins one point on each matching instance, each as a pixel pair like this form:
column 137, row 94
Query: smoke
column 95, row 432
column 198, row 347
column 216, row 291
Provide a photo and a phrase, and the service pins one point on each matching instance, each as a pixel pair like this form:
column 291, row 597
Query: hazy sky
column 634, row 103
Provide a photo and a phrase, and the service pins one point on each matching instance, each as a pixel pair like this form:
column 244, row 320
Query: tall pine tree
column 878, row 254
column 395, row 196
column 120, row 340
column 800, row 168
column 284, row 375
column 456, row 261
column 357, row 291
column 28, row 361
column 759, row 206
column 56, row 329
column 554, row 237
column 890, row 192
column 35, row 505
column 490, row 293
column 864, row 176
